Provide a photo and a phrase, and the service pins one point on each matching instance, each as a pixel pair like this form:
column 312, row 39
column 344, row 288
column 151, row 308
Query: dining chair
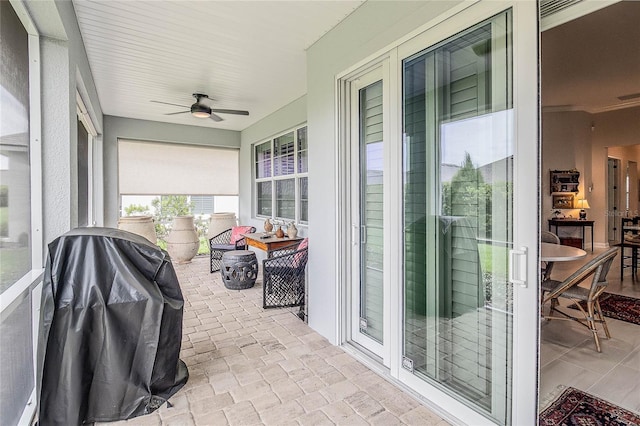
column 631, row 241
column 231, row 239
column 586, row 299
column 549, row 237
column 547, row 267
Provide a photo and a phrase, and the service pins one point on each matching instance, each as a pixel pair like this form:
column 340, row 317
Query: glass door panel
column 367, row 186
column 458, row 213
column 371, row 218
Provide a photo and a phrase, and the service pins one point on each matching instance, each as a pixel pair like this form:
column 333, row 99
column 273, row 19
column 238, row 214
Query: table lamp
column 583, row 204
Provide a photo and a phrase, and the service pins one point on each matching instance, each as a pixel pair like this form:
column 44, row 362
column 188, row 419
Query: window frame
column 92, row 141
column 272, row 178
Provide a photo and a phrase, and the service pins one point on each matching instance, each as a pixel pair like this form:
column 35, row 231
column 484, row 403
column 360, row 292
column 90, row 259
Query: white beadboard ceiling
column 247, row 55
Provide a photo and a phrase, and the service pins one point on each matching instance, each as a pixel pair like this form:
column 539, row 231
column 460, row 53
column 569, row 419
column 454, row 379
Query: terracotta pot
column 220, row 222
column 182, row 242
column 279, row 232
column 141, row 225
column 268, row 226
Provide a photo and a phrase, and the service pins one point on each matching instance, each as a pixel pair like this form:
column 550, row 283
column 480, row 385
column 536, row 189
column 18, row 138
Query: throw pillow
column 237, row 231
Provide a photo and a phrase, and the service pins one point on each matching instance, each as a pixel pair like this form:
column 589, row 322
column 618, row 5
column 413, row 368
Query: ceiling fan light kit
column 200, row 110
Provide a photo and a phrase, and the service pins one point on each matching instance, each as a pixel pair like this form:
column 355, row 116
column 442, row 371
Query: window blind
column 157, row 168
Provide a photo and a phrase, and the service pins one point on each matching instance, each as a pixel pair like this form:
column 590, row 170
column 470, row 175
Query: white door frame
column 379, row 72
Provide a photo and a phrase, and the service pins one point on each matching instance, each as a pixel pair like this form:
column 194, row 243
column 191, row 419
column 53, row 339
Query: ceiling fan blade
column 179, row 112
column 215, row 117
column 167, row 103
column 230, row 111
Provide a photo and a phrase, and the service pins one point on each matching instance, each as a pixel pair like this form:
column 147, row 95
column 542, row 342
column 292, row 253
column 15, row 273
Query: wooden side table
column 268, row 242
column 573, row 222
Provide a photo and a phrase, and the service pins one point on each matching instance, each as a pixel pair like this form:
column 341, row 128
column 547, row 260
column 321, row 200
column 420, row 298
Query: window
column 83, row 175
column 15, row 210
column 20, row 213
column 88, row 149
column 304, row 199
column 281, row 167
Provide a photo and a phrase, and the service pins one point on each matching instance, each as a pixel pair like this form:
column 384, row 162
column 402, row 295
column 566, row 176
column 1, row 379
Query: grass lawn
column 494, row 259
column 14, row 263
column 203, row 249
column 4, row 221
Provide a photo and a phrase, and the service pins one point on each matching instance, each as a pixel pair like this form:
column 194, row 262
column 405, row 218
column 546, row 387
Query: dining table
column 551, row 253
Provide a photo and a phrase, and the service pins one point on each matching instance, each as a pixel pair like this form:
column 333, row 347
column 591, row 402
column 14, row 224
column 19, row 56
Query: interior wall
column 369, row 29
column 566, row 145
column 617, row 128
column 129, row 128
column 582, row 140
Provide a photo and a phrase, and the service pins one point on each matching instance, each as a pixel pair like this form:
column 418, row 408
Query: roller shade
column 154, row 168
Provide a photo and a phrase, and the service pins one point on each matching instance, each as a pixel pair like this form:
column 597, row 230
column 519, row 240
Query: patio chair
column 284, row 277
column 547, row 267
column 228, row 240
column 596, row 270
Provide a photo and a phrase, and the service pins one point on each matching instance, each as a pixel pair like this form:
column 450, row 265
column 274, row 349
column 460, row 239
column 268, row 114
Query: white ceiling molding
column 623, row 105
column 598, row 110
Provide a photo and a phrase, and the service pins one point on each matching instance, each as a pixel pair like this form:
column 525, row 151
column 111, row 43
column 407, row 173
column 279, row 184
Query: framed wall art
column 563, row 201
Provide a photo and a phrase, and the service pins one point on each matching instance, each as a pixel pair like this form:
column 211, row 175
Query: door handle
column 518, row 266
column 354, row 230
column 363, row 234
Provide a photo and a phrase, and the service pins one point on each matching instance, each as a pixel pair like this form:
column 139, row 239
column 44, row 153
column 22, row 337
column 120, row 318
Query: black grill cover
column 111, row 328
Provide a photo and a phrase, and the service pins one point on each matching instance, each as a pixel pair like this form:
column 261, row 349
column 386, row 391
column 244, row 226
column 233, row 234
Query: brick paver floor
column 251, row 366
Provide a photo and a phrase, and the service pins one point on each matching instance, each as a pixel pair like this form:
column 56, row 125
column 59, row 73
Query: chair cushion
column 298, row 257
column 237, row 231
column 223, row 247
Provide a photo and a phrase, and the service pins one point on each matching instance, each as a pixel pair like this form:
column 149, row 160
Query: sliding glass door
column 442, row 197
column 458, row 213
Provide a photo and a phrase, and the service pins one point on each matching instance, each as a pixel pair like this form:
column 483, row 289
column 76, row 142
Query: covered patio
column 402, row 138
column 249, row 366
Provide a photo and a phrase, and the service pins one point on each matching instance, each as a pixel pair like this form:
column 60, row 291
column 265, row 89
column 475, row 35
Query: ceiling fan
column 201, row 110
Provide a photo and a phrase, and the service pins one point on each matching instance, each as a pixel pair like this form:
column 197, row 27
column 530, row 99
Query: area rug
column 577, row 408
column 619, row 307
